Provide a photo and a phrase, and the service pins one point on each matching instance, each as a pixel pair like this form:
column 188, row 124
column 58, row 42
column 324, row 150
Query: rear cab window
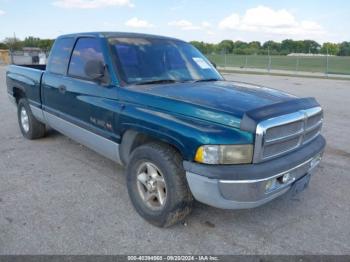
column 86, row 49
column 59, row 57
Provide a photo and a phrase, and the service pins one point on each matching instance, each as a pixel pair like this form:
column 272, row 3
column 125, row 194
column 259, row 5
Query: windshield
column 156, row 60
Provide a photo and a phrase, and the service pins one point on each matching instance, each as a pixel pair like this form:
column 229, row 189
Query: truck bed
column 26, row 79
column 36, row 66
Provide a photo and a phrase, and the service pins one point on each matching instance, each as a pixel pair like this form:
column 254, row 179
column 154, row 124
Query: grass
column 336, row 64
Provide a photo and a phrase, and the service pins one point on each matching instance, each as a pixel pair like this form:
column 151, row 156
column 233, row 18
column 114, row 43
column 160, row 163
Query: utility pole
column 12, row 47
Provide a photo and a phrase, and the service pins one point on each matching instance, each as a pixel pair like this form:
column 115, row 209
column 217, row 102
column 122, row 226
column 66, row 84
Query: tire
column 178, row 198
column 29, row 126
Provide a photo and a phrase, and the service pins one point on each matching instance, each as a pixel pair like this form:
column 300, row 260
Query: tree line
column 224, row 47
column 273, row 48
column 15, row 44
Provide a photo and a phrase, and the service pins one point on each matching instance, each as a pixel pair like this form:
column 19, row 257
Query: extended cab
column 158, row 106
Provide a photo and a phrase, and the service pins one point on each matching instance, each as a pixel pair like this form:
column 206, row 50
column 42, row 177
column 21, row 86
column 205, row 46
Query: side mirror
column 94, row 69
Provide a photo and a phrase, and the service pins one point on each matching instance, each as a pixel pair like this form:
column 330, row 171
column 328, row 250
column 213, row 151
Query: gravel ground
column 58, row 197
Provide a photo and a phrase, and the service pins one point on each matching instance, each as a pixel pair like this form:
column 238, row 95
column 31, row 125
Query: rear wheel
column 30, row 127
column 157, row 184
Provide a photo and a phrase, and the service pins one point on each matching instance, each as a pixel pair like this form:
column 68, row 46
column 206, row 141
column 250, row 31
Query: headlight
column 224, row 154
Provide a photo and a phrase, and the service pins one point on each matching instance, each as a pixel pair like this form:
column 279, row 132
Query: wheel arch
column 132, row 138
column 18, row 93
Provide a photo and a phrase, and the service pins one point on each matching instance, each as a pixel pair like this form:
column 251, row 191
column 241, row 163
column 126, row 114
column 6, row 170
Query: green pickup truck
column 158, row 106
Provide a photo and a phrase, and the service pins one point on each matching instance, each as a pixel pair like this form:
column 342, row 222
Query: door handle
column 62, row 89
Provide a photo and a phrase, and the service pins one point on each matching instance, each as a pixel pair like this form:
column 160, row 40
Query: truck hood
column 224, row 102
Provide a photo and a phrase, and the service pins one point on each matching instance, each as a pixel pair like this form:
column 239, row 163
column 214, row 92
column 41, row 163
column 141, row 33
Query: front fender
column 183, row 132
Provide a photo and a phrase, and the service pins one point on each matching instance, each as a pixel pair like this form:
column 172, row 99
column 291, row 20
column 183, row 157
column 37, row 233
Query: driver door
column 90, row 103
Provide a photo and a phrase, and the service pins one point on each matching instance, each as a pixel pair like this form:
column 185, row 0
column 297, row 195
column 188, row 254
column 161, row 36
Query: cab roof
column 118, row 34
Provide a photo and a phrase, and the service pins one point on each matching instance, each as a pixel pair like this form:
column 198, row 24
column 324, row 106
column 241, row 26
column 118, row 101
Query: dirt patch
column 337, row 152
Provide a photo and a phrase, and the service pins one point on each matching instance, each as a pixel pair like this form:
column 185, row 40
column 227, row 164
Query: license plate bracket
column 301, row 184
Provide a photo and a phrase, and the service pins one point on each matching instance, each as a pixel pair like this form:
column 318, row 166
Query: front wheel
column 157, row 184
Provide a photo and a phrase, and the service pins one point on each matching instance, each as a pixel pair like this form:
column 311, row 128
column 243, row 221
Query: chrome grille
column 282, row 134
column 285, row 130
column 274, row 149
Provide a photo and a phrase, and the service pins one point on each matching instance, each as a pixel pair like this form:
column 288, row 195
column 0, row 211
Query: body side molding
column 91, row 140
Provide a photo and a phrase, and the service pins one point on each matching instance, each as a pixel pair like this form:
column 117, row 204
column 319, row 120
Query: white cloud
column 2, row 12
column 230, row 22
column 187, row 25
column 206, row 24
column 184, row 25
column 267, row 20
column 138, row 23
column 90, row 4
column 207, row 27
column 266, row 17
column 311, row 25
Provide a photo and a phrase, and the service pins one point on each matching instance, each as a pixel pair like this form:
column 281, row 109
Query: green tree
column 240, row 48
column 272, row 46
column 330, row 48
column 344, row 49
column 13, row 43
column 225, row 46
column 200, row 46
column 3, row 46
column 254, row 45
column 31, row 41
column 240, row 44
column 45, row 44
column 288, row 46
column 311, row 46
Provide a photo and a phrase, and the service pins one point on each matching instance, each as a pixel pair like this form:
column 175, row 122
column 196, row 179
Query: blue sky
column 204, row 20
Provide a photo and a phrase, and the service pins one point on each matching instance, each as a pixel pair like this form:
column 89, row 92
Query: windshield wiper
column 158, row 81
column 207, row 80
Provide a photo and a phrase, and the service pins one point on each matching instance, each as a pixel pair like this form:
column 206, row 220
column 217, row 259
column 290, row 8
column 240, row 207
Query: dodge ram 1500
column 158, row 106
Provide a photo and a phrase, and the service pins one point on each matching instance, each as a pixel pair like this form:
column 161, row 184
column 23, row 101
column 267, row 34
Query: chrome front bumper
column 241, row 194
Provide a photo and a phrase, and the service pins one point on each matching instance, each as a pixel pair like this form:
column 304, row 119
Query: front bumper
column 247, row 186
